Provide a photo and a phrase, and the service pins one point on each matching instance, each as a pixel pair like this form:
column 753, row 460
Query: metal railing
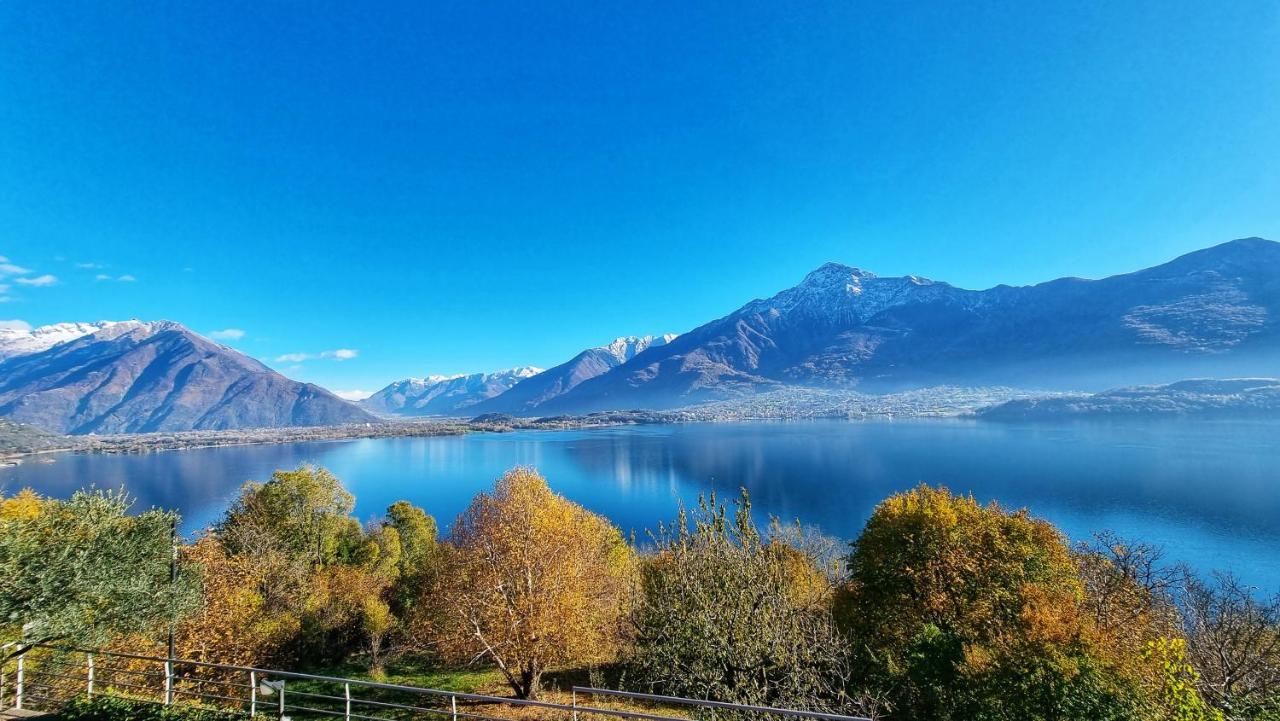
column 745, row 708
column 48, row 677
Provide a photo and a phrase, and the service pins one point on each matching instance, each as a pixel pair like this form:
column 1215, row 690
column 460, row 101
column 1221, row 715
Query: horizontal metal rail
column 187, row 684
column 103, row 676
column 823, row 716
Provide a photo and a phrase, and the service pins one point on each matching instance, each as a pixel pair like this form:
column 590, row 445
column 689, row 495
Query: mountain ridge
column 843, row 326
column 145, row 376
column 439, row 395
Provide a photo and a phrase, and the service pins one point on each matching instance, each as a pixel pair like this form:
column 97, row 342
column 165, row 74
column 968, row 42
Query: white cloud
column 353, row 395
column 340, row 354
column 90, row 266
column 102, row 276
column 126, row 278
column 14, row 325
column 122, row 279
column 38, row 281
column 7, row 268
column 227, row 334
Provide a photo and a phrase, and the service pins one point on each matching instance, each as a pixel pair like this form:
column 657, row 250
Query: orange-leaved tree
column 532, row 581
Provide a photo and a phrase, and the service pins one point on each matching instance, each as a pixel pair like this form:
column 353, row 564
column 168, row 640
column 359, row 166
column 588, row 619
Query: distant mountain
column 445, row 395
column 133, row 377
column 1236, row 397
column 16, row 342
column 554, row 382
column 1211, row 312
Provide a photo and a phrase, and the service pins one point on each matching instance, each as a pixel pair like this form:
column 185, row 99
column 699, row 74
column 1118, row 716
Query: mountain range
column 445, row 395
column 1213, row 312
column 134, row 377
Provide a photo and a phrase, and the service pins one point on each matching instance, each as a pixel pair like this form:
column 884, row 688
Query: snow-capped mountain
column 136, row 376
column 1210, row 312
column 445, row 395
column 18, row 341
column 559, row 380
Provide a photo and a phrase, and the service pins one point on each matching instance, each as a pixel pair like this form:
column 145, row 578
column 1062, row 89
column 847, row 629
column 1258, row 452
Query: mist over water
column 1207, row 491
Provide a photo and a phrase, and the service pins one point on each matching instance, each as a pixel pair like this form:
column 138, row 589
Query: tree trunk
column 530, row 682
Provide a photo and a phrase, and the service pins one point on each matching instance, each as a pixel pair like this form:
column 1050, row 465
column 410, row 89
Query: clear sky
column 445, row 187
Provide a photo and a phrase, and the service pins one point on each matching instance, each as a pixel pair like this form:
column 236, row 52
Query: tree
column 532, row 582
column 418, row 555
column 417, row 537
column 730, row 614
column 304, row 513
column 235, row 623
column 1178, row 679
column 973, row 612
column 84, row 571
column 1233, row 640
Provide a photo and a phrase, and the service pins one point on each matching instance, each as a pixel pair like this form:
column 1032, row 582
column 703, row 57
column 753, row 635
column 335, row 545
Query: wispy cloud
column 339, row 354
column 90, row 266
column 14, row 325
column 353, row 395
column 227, row 334
column 119, row 279
column 126, row 278
column 38, row 281
column 7, row 268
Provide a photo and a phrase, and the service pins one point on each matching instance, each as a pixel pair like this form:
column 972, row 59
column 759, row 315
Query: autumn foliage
column 943, row 608
column 531, row 581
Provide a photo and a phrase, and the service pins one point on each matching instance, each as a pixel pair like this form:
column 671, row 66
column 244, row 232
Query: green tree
column 1178, row 679
column 730, row 614
column 964, row 611
column 304, row 513
column 417, row 537
column 84, row 571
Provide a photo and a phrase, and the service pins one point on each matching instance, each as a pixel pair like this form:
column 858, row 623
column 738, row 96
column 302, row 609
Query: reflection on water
column 1209, row 492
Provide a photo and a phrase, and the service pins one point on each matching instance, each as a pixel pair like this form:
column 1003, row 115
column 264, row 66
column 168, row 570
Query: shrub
column 115, row 708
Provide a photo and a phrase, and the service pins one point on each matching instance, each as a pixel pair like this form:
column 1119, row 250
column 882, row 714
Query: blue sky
column 444, row 187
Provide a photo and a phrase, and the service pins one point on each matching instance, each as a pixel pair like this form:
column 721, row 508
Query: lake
column 1207, row 491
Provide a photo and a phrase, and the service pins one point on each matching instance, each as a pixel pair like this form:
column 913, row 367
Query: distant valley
column 833, row 345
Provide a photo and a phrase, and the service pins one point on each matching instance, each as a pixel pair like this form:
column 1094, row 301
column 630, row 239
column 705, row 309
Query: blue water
column 1208, row 492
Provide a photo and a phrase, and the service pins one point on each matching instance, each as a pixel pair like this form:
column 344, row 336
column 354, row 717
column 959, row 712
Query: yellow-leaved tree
column 532, row 582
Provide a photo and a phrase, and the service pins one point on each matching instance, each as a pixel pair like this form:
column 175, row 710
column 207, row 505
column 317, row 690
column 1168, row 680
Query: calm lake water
column 1208, row 492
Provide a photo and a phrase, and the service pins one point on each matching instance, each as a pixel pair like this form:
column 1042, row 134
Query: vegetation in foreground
column 942, row 609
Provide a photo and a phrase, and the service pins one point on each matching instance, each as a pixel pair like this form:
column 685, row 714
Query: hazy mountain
column 445, row 395
column 1211, row 312
column 16, row 341
column 553, row 382
column 134, row 377
column 1234, row 397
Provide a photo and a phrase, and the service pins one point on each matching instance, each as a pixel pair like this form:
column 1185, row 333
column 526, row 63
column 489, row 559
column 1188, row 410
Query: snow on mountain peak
column 16, row 341
column 624, row 348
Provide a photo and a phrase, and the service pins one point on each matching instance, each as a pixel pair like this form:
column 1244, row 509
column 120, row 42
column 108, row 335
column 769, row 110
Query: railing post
column 89, row 685
column 280, row 708
column 253, row 694
column 17, row 694
column 346, row 693
column 168, row 682
column 453, row 701
column 575, row 704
